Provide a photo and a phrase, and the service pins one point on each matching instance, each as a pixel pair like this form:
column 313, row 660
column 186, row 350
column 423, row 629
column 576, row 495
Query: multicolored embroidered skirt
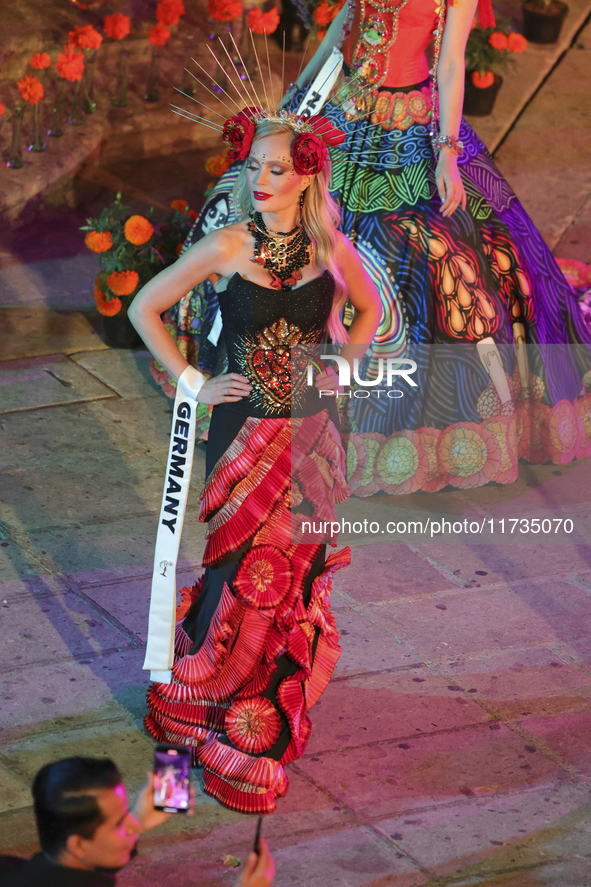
column 256, row 642
column 482, row 272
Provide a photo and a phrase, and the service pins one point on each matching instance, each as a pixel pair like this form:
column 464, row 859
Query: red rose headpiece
column 309, row 150
column 238, row 134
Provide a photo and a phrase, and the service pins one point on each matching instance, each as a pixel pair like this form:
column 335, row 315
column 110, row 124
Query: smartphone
column 171, row 778
column 257, row 836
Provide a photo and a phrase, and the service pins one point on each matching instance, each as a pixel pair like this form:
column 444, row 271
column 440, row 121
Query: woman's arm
column 333, row 37
column 364, row 297
column 368, row 309
column 207, row 257
column 450, row 78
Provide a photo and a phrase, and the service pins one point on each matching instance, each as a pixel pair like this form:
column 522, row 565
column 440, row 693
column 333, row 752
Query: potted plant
column 488, row 51
column 542, row 20
column 132, row 250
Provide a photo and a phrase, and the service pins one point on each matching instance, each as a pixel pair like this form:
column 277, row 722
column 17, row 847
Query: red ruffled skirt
column 244, row 681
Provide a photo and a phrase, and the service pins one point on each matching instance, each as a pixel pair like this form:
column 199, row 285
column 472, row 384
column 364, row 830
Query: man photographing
column 87, row 831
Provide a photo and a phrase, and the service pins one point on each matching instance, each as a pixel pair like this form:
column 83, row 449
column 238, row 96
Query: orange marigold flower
column 325, row 12
column 193, row 216
column 104, row 306
column 40, row 61
column 31, row 89
column 98, row 241
column 158, row 35
column 85, row 37
column 217, row 165
column 483, row 81
column 516, row 42
column 179, row 247
column 138, row 230
column 224, row 10
column 2, row 109
column 168, row 12
column 498, row 40
column 117, row 26
column 263, row 22
column 180, row 205
column 123, row 283
column 70, row 63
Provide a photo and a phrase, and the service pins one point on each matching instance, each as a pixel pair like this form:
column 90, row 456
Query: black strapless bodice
column 261, row 326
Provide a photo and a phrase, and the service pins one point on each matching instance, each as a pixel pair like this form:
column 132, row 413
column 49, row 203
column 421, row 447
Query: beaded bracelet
column 453, row 143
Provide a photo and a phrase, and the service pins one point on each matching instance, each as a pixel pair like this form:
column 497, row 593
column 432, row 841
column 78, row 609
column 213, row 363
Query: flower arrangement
column 263, row 22
column 117, row 26
column 218, row 164
column 169, row 12
column 224, row 10
column 158, row 34
column 31, row 89
column 85, row 37
column 491, row 50
column 40, row 61
column 132, row 250
column 323, row 15
column 70, row 63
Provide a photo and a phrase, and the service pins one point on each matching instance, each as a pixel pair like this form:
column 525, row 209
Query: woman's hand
column 328, row 381
column 449, row 182
column 224, row 389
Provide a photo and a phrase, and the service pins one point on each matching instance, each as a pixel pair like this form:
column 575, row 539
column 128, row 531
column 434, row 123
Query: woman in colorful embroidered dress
column 256, row 642
column 457, row 260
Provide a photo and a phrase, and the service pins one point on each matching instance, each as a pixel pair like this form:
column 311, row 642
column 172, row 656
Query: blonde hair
column 320, row 216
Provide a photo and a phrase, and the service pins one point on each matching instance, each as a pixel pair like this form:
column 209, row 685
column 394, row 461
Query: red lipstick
column 260, row 195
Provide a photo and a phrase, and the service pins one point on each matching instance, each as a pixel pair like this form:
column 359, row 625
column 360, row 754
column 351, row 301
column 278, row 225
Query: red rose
column 238, row 135
column 309, row 154
column 498, row 40
column 516, row 42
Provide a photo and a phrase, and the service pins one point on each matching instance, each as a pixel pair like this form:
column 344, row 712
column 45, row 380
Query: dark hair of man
column 64, row 794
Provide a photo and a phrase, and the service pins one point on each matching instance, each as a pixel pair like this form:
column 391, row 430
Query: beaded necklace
column 282, row 259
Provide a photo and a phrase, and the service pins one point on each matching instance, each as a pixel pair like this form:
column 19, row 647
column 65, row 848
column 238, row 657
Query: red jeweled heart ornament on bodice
column 267, row 362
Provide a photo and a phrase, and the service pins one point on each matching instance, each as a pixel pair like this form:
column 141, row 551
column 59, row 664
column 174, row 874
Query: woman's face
column 274, row 184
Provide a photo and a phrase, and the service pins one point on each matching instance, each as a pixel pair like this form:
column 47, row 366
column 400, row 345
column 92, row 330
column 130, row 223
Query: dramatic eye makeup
column 278, row 166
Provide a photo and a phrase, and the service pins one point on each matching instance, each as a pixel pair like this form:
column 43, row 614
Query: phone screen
column 171, row 779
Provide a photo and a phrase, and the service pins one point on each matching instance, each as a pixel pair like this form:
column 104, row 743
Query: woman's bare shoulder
column 345, row 249
column 223, row 242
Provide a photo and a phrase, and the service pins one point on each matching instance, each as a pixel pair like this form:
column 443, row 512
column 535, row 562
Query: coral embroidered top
column 407, row 62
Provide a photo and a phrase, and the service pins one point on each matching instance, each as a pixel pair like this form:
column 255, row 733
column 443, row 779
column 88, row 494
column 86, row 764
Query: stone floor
column 481, row 776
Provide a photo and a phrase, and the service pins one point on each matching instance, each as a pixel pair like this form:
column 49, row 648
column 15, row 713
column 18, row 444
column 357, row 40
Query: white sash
column 161, row 624
column 320, row 88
